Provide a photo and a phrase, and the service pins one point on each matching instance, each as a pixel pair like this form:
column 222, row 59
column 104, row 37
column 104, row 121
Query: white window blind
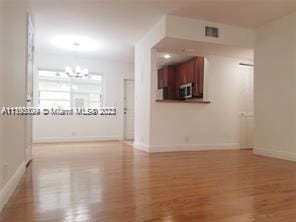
column 57, row 90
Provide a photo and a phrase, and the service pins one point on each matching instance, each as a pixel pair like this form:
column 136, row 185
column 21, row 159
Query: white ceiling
column 175, row 58
column 117, row 25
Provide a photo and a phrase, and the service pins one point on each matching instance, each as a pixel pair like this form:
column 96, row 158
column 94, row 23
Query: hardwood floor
column 111, row 182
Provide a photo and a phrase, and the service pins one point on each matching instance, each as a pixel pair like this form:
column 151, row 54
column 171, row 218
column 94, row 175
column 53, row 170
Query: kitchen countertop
column 183, row 101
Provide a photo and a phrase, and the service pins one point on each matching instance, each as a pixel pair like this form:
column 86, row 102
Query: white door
column 246, row 107
column 129, row 109
column 29, row 88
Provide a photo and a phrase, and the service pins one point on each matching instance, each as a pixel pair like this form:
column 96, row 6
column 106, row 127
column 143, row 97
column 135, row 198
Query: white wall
column 194, row 29
column 1, row 96
column 174, row 127
column 143, row 67
column 275, row 88
column 13, row 84
column 71, row 128
column 179, row 126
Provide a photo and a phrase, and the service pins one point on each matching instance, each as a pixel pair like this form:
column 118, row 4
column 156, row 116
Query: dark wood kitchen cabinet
column 191, row 71
column 198, row 77
column 181, row 77
column 181, row 74
column 160, row 78
column 185, row 72
column 173, row 76
column 167, row 80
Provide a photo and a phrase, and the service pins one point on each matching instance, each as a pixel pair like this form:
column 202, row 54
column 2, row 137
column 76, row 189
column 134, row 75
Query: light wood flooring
column 111, row 182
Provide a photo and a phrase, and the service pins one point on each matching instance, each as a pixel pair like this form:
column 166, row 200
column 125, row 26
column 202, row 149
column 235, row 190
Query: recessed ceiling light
column 166, row 56
column 66, row 42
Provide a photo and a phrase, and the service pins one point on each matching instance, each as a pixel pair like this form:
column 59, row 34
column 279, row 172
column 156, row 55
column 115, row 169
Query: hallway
column 109, row 181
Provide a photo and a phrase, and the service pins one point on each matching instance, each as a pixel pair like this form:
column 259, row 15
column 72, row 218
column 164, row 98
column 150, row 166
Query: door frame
column 245, row 115
column 124, row 79
column 29, row 97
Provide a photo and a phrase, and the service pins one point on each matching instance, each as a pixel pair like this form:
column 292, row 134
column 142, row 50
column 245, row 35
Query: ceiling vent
column 212, row 32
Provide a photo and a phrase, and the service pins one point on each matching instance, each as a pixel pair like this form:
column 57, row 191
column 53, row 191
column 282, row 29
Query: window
column 57, row 90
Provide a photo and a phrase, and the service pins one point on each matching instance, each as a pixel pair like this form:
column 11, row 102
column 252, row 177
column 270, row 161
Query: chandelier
column 76, row 71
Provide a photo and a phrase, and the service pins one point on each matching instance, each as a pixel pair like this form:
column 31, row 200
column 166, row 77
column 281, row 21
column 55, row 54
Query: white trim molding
column 142, row 147
column 275, row 154
column 194, row 147
column 75, row 139
column 123, row 80
column 11, row 185
column 188, row 147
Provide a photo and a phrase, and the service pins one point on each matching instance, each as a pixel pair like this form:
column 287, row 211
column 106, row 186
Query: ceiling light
column 76, row 71
column 86, row 44
column 167, row 56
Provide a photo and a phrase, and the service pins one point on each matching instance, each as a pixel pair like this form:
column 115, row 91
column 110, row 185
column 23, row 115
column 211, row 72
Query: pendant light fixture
column 76, row 71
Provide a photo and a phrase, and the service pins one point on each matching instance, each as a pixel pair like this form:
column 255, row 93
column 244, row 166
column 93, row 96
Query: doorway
column 246, row 106
column 129, row 109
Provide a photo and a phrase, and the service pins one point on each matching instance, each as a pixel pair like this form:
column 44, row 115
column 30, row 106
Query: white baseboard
column 142, row 147
column 194, row 147
column 189, row 147
column 275, row 154
column 75, row 139
column 11, row 185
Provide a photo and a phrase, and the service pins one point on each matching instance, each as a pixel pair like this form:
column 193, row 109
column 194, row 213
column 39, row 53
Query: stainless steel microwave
column 186, row 90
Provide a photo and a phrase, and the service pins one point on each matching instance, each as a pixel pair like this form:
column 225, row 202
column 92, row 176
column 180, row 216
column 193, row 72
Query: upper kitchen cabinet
column 191, row 71
column 167, row 81
column 183, row 74
column 183, row 80
column 198, row 77
column 160, row 79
